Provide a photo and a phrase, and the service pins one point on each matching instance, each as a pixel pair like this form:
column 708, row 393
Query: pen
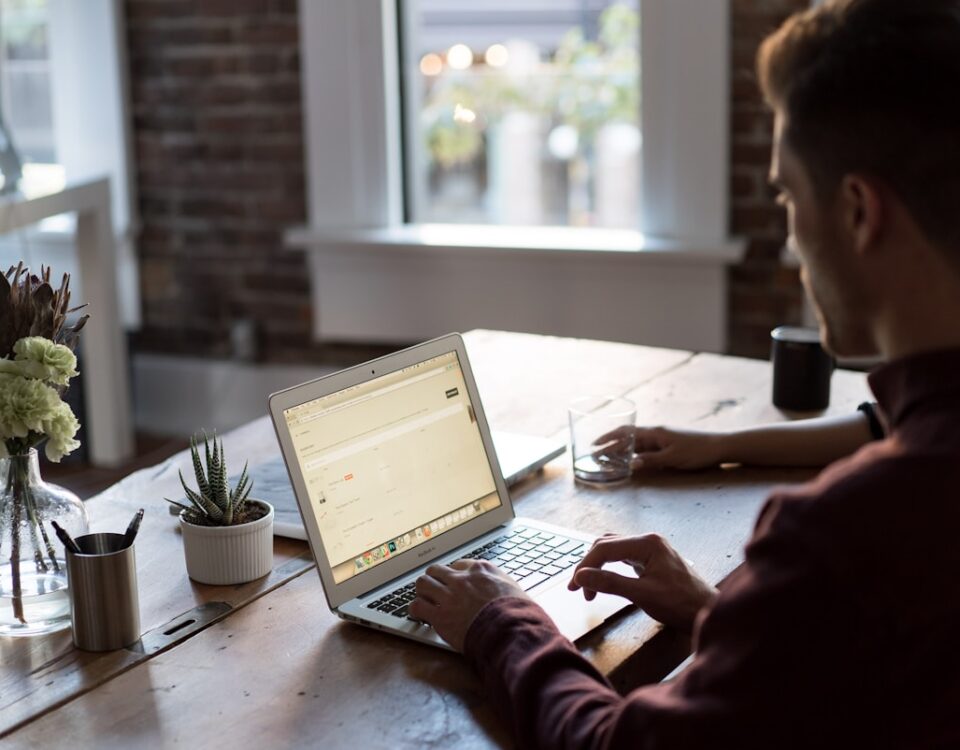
column 131, row 533
column 66, row 538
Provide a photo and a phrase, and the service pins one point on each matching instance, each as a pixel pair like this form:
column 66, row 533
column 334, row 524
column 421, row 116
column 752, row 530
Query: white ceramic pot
column 224, row 555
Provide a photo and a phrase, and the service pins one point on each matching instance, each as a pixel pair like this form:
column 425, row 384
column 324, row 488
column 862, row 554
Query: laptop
column 521, row 456
column 393, row 467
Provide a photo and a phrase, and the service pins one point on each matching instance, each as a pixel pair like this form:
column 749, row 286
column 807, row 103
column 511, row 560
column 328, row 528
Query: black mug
column 801, row 369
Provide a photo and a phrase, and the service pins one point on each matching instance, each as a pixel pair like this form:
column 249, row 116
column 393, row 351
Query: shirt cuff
column 499, row 617
column 869, row 409
column 536, row 679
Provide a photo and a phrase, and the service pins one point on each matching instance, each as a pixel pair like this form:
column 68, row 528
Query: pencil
column 66, row 538
column 131, row 533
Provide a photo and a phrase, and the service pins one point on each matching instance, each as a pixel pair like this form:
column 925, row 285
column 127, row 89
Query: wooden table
column 267, row 664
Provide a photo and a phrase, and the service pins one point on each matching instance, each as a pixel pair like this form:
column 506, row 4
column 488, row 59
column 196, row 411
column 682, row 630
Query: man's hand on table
column 666, row 587
column 449, row 597
column 664, row 447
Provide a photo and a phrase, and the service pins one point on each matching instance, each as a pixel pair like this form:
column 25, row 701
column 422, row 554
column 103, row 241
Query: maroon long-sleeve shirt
column 841, row 629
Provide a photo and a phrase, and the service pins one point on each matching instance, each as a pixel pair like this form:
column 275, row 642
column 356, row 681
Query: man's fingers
column 613, row 447
column 431, row 589
column 651, row 438
column 617, row 548
column 621, row 433
column 650, row 460
column 443, row 573
column 607, row 582
column 421, row 609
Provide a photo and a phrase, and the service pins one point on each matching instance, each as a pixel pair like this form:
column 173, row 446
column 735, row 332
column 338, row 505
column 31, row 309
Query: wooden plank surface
column 40, row 673
column 286, row 671
column 526, row 381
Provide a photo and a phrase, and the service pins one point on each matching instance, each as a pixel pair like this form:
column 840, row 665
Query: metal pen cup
column 104, row 605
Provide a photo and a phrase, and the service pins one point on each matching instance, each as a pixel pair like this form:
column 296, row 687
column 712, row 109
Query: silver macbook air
column 393, row 468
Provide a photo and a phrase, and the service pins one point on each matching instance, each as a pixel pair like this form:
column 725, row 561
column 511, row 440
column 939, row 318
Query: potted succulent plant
column 227, row 536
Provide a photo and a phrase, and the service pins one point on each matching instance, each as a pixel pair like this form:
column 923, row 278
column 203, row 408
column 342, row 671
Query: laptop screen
column 391, row 463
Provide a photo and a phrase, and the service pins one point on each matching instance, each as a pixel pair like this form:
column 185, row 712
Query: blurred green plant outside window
column 529, row 120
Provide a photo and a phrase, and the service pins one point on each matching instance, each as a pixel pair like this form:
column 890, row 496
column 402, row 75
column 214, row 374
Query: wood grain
column 284, row 671
column 282, row 674
column 40, row 673
column 526, row 381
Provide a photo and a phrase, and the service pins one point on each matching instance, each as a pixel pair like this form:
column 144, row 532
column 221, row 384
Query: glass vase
column 33, row 572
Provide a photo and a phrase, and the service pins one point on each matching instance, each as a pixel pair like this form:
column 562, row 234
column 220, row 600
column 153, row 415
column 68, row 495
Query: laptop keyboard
column 529, row 556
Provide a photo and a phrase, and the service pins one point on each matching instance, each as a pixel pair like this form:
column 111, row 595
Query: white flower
column 23, row 369
column 24, row 405
column 60, row 429
column 40, row 358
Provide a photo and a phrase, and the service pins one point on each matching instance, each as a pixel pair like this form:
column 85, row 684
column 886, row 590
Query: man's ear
column 862, row 211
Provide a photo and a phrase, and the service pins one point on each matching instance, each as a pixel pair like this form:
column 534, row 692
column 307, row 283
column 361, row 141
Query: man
column 840, row 629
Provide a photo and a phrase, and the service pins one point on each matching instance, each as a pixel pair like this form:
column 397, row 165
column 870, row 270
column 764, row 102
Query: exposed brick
column 284, row 7
column 215, row 89
column 277, row 31
column 152, row 10
column 763, row 293
column 759, row 220
column 143, row 38
column 744, row 184
column 232, row 8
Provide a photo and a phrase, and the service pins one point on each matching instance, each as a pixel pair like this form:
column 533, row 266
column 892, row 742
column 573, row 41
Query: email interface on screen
column 391, row 463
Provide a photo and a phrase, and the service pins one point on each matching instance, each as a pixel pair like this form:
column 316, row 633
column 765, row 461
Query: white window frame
column 358, row 241
column 92, row 123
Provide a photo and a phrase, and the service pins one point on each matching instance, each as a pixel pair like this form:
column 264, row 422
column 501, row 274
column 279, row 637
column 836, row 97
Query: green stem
column 15, row 549
column 22, row 495
column 36, row 523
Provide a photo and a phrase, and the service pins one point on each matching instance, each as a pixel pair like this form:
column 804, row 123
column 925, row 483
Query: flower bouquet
column 36, row 365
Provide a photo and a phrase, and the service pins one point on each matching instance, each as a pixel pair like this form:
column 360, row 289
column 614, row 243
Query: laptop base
column 574, row 615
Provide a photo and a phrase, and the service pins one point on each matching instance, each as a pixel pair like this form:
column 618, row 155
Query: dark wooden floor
column 88, row 480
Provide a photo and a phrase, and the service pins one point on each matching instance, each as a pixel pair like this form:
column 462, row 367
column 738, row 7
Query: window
column 522, row 112
column 383, row 269
column 25, row 89
column 352, row 80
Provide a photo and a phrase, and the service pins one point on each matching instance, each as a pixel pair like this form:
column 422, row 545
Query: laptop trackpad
column 574, row 615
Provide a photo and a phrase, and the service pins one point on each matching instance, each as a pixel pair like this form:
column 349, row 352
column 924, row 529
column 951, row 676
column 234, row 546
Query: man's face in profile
column 817, row 234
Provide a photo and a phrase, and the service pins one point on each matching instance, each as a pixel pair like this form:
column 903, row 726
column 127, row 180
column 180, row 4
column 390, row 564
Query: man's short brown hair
column 873, row 87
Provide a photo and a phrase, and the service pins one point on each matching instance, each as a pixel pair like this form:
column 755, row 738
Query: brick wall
column 763, row 294
column 219, row 156
column 215, row 88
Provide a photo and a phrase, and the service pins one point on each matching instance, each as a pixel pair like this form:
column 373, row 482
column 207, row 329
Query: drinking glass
column 600, row 458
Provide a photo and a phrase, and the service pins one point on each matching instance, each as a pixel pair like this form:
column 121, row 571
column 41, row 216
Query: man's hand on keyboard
column 450, row 597
column 666, row 586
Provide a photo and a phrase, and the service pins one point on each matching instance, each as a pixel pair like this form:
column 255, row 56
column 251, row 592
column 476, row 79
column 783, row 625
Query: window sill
column 532, row 242
column 405, row 284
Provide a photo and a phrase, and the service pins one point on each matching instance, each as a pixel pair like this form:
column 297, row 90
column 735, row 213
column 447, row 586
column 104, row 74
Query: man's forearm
column 549, row 693
column 808, row 442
